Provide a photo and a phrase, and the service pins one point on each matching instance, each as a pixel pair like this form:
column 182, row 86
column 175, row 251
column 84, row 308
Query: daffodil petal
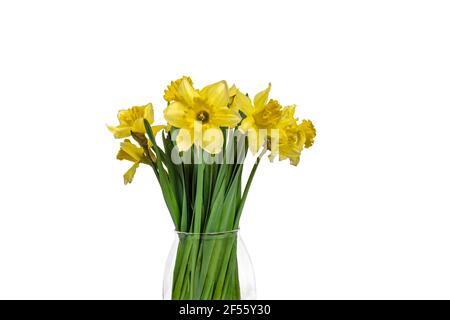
column 148, row 113
column 225, row 117
column 138, row 126
column 179, row 115
column 272, row 156
column 119, row 132
column 216, row 94
column 122, row 155
column 129, row 151
column 212, row 140
column 158, row 128
column 261, row 98
column 184, row 139
column 186, row 92
column 294, row 160
column 129, row 175
column 232, row 91
column 246, row 124
column 244, row 103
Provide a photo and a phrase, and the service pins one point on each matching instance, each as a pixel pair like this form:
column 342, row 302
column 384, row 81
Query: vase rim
column 206, row 233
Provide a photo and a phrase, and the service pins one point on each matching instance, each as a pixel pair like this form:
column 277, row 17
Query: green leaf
column 244, row 195
column 198, row 207
column 166, row 187
column 229, row 207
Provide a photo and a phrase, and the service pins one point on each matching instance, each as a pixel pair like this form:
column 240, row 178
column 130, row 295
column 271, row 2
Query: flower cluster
column 201, row 117
column 268, row 123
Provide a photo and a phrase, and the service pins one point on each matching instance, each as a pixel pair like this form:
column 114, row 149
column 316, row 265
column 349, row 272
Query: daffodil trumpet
column 198, row 164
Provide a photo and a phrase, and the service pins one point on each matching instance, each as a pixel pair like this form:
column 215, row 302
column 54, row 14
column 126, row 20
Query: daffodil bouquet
column 198, row 163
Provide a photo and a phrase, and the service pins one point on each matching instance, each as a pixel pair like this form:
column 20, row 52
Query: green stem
column 179, row 278
column 228, row 257
column 247, row 188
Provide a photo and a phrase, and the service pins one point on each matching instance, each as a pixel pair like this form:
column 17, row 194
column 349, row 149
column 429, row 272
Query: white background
column 366, row 213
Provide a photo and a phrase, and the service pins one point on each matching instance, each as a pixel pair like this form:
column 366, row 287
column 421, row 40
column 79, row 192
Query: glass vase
column 209, row 266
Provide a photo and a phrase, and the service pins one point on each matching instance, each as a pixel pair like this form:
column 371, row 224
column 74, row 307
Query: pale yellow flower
column 261, row 116
column 132, row 120
column 199, row 114
column 129, row 151
column 291, row 137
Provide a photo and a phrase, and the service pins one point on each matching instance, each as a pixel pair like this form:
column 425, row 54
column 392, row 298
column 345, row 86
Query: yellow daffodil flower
column 129, row 151
column 292, row 137
column 199, row 114
column 132, row 120
column 261, row 117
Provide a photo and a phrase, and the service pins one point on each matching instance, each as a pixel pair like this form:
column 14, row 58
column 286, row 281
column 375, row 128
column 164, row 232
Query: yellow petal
column 212, row 140
column 216, row 94
column 179, row 115
column 148, row 113
column 129, row 175
column 187, row 92
column 129, row 115
column 156, row 129
column 184, row 139
column 294, row 160
column 232, row 91
column 119, row 132
column 307, row 128
column 129, row 151
column 261, row 98
column 173, row 90
column 225, row 117
column 122, row 155
column 246, row 124
column 244, row 103
column 138, row 126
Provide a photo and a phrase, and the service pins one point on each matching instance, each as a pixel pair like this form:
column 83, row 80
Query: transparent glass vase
column 209, row 266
